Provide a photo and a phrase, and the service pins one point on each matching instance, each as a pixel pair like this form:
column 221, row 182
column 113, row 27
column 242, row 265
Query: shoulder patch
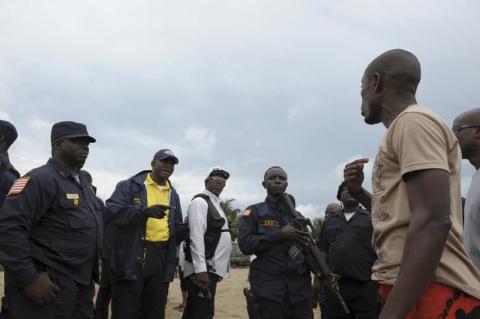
column 18, row 186
column 137, row 200
column 247, row 212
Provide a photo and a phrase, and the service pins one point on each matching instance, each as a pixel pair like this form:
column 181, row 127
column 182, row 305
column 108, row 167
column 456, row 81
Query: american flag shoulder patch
column 18, row 186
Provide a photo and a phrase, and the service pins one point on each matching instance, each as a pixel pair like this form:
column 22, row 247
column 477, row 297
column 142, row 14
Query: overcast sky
column 244, row 84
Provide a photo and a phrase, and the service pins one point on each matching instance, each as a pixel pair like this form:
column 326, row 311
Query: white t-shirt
column 348, row 215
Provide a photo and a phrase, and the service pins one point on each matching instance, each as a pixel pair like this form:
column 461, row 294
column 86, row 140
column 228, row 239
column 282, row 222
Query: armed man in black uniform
column 50, row 233
column 281, row 285
column 346, row 240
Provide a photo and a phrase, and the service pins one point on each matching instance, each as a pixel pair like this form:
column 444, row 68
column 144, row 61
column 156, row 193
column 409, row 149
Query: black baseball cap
column 9, row 130
column 164, row 154
column 69, row 129
column 340, row 189
column 218, row 171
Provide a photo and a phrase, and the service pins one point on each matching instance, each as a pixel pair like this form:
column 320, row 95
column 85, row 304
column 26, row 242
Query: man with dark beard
column 346, row 240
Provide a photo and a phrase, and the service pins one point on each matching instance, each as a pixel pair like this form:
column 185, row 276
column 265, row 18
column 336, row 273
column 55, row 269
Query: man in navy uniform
column 145, row 220
column 8, row 174
column 281, row 284
column 50, row 233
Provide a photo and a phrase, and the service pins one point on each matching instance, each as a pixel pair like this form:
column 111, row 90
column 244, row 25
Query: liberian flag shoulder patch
column 247, row 212
column 18, row 186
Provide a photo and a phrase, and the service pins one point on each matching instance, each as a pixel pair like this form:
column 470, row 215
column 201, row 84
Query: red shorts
column 441, row 302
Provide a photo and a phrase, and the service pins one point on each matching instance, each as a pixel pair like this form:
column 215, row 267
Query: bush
column 237, row 259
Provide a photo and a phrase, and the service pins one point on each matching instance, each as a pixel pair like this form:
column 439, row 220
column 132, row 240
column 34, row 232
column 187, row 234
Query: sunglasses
column 457, row 128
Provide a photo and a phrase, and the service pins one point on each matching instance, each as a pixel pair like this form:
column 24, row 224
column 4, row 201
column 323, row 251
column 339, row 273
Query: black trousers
column 183, row 280
column 323, row 311
column 286, row 310
column 199, row 307
column 74, row 301
column 360, row 297
column 145, row 297
column 104, row 293
column 3, row 310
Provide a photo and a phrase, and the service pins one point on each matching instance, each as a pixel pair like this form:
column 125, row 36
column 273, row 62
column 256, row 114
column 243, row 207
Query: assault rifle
column 313, row 256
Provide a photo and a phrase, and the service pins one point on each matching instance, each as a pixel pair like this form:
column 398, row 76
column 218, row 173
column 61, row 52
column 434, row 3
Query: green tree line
column 233, row 215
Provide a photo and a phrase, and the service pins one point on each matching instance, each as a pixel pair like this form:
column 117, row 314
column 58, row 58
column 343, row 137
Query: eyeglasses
column 457, row 128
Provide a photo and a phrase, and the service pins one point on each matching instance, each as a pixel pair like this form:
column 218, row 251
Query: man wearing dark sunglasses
column 467, row 129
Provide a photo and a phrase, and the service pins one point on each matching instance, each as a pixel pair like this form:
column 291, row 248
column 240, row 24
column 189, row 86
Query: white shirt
column 348, row 215
column 472, row 220
column 197, row 222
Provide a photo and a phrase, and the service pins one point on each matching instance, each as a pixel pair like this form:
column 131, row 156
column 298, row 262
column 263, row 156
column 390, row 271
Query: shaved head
column 399, row 68
column 468, row 117
column 466, row 127
column 332, row 208
column 271, row 169
column 275, row 181
column 389, row 85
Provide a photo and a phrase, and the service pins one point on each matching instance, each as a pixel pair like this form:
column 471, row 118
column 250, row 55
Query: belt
column 156, row 244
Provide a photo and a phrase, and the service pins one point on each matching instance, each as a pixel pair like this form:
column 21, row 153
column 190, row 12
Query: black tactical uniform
column 50, row 222
column 282, row 285
column 348, row 248
column 8, row 175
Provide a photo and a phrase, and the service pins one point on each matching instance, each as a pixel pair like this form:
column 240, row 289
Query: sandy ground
column 229, row 302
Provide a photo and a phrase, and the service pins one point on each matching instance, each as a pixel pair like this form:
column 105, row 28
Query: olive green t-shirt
column 417, row 139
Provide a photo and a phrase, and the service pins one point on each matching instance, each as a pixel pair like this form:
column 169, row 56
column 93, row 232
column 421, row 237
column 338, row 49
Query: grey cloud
column 140, row 76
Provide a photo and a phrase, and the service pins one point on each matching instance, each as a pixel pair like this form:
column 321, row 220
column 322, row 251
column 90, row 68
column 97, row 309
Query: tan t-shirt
column 416, row 140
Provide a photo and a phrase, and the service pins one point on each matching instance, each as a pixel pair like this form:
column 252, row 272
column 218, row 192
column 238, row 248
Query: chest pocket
column 362, row 230
column 333, row 232
column 78, row 216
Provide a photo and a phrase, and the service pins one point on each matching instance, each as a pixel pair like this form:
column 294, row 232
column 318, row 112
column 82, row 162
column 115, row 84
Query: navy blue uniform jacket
column 8, row 175
column 273, row 274
column 126, row 225
column 54, row 220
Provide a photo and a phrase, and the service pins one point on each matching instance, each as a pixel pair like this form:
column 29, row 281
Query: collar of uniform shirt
column 273, row 201
column 64, row 171
column 149, row 180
